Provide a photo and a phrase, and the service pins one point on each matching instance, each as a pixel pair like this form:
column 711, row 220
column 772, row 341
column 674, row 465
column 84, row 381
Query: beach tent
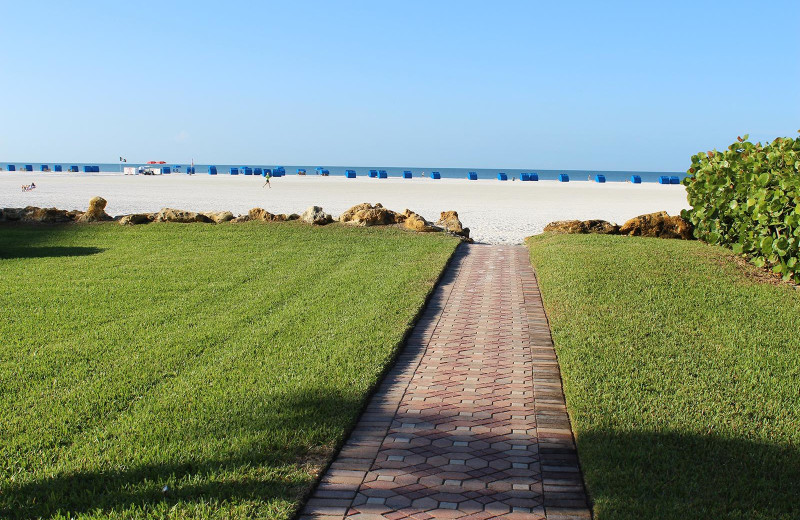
column 407, row 174
column 258, row 171
column 635, row 179
column 246, row 170
column 324, row 172
column 233, row 171
column 533, row 176
column 44, row 168
column 319, row 170
column 87, row 169
column 373, row 174
column 524, row 176
column 265, row 172
column 57, row 168
column 436, row 175
column 350, row 174
column 190, row 170
column 674, row 180
column 12, row 167
column 563, row 177
column 599, row 178
column 382, row 174
column 212, row 170
column 473, row 176
column 301, row 171
column 165, row 170
column 28, row 168
column 664, row 179
column 278, row 171
column 502, row 176
column 74, row 168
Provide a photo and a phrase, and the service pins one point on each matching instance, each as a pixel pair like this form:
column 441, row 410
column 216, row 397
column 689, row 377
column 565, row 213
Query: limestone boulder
column 658, row 225
column 49, row 215
column 179, row 215
column 136, row 219
column 315, row 215
column 219, row 216
column 266, row 216
column 368, row 215
column 601, row 227
column 416, row 222
column 450, row 222
column 96, row 211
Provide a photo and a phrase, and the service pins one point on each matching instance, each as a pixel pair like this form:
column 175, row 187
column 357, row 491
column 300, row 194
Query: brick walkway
column 470, row 423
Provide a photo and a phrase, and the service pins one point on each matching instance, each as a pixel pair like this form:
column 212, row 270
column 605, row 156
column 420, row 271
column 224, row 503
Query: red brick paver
column 470, row 423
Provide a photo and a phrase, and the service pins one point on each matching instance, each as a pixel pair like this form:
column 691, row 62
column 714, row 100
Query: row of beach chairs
column 280, row 171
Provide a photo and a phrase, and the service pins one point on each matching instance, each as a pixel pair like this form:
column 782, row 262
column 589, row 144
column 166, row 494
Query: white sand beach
column 495, row 211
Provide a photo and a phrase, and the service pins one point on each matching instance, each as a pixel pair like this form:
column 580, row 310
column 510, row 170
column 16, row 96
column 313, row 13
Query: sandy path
column 496, row 212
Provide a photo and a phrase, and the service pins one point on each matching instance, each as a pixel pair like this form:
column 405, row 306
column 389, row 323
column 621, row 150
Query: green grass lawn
column 225, row 362
column 682, row 377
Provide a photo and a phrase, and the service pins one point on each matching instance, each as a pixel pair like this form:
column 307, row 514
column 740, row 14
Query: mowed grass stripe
column 223, row 361
column 682, row 374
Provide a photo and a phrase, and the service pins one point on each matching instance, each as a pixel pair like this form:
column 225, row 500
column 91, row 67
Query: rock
column 368, row 215
column 450, row 222
column 241, row 218
column 179, row 215
column 266, row 216
column 136, row 218
column 315, row 215
column 416, row 222
column 96, row 211
column 601, row 227
column 219, row 216
column 49, row 215
column 658, row 225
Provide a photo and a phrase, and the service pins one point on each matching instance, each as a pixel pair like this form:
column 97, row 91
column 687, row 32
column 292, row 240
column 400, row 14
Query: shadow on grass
column 23, row 240
column 669, row 475
column 256, row 471
column 9, row 253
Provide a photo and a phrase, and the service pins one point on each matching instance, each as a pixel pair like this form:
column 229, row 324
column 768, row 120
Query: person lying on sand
column 29, row 187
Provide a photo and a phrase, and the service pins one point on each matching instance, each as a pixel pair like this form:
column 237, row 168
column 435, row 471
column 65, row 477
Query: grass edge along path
column 224, row 362
column 681, row 372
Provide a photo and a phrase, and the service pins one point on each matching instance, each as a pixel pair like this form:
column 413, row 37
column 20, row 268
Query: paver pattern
column 470, row 423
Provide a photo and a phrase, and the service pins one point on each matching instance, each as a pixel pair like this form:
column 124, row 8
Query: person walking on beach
column 267, row 177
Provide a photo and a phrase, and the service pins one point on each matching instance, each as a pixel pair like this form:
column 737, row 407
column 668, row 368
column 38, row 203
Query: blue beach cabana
column 57, row 168
column 350, row 174
column 12, row 167
column 87, row 169
column 382, row 174
column 212, row 170
column 600, row 178
column 265, row 172
column 636, row 179
column 301, row 171
column 436, row 175
column 165, row 170
column 502, row 176
column 533, row 176
column 258, row 171
column 663, row 179
column 524, row 176
column 407, row 174
column 246, row 170
column 44, row 168
column 473, row 176
column 28, row 168
column 278, row 171
column 233, row 170
column 563, row 177
column 373, row 174
column 325, row 172
column 74, row 168
column 674, row 180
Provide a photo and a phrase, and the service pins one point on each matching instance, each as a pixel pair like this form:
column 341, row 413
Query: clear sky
column 603, row 85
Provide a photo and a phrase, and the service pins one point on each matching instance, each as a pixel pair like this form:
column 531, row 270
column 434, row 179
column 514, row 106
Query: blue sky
column 583, row 85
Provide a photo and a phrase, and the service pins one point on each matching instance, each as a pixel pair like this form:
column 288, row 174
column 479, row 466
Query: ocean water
column 392, row 171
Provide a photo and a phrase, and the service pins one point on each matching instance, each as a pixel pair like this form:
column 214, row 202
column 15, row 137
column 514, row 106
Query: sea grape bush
column 747, row 198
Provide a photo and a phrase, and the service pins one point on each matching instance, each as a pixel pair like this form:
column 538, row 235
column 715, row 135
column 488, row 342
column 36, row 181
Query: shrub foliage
column 747, row 198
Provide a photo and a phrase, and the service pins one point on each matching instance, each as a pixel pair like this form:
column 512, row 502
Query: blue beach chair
column 436, row 175
column 563, row 177
column 473, row 176
column 636, row 179
column 502, row 176
column 600, row 178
